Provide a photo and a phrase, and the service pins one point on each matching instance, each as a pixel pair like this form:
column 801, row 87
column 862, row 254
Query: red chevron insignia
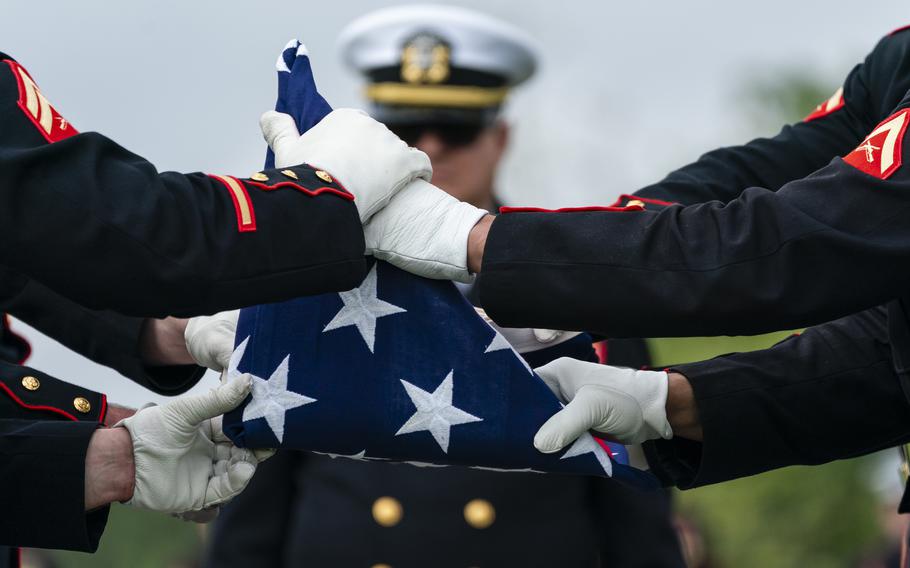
column 38, row 109
column 835, row 102
column 880, row 153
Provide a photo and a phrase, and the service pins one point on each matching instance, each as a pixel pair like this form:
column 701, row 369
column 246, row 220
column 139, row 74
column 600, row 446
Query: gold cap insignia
column 425, row 59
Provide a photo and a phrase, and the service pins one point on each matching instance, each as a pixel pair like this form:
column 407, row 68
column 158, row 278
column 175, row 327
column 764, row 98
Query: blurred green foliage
column 798, row 517
column 793, row 518
column 140, row 539
column 788, row 95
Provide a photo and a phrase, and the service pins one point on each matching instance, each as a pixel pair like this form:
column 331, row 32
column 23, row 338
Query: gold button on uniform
column 387, row 511
column 324, row 176
column 259, row 176
column 82, row 404
column 290, row 174
column 479, row 513
column 635, row 203
column 31, row 383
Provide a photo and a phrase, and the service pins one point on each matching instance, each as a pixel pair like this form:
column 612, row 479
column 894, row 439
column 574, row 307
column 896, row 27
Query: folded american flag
column 401, row 368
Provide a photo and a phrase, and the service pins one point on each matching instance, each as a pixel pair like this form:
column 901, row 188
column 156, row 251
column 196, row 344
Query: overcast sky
column 626, row 90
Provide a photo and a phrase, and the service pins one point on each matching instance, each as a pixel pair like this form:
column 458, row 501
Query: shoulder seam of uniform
column 899, row 30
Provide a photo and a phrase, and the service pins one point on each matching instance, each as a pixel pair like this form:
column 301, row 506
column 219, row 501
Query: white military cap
column 443, row 62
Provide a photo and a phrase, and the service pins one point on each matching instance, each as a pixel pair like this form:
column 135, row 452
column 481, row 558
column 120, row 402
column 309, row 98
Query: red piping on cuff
column 298, row 187
column 505, row 210
column 341, row 185
column 103, row 409
column 628, row 197
column 24, row 404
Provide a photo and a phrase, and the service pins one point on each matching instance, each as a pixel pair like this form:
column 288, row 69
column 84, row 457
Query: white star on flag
column 586, row 444
column 362, row 308
column 500, row 343
column 435, row 413
column 271, row 398
column 236, row 357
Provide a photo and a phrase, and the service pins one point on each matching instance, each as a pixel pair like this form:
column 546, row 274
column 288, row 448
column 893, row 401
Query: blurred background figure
column 438, row 77
column 887, row 487
column 694, row 542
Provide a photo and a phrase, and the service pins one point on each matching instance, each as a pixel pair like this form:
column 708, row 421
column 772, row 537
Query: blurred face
column 464, row 157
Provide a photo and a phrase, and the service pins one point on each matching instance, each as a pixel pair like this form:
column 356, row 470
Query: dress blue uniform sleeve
column 45, row 428
column 43, row 475
column 870, row 91
column 806, row 401
column 778, row 257
column 104, row 336
column 102, row 226
column 831, row 244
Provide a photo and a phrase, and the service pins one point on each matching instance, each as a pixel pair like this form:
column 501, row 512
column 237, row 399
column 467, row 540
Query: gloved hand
column 424, row 230
column 626, row 404
column 526, row 339
column 361, row 153
column 214, row 428
column 210, row 339
column 182, row 460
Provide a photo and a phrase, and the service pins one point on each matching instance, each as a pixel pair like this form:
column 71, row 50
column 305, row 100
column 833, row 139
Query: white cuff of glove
column 424, row 230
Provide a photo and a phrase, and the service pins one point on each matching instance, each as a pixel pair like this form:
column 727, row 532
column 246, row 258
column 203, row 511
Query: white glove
column 424, row 230
column 182, row 462
column 628, row 405
column 361, row 153
column 210, row 339
column 526, row 339
column 213, row 428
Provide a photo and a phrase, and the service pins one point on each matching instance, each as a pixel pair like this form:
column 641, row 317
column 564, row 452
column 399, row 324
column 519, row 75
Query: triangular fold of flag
column 400, row 368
